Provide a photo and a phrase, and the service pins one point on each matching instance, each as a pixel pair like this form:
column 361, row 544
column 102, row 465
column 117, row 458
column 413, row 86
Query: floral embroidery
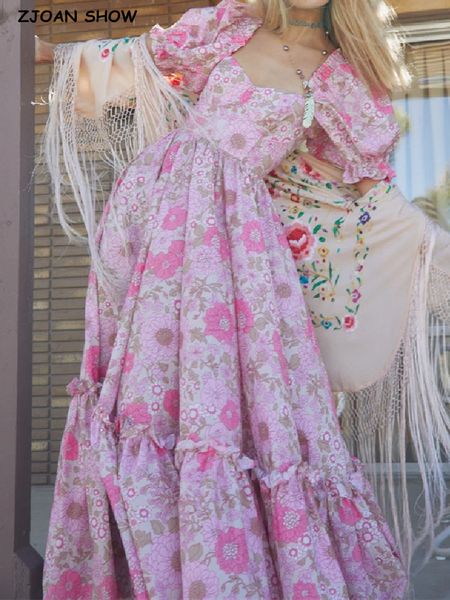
column 107, row 47
column 309, row 239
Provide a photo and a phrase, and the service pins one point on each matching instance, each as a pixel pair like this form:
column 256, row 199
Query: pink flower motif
column 356, row 295
column 348, row 513
column 349, row 323
column 324, row 72
column 213, row 237
column 92, row 358
column 177, row 37
column 220, row 322
column 175, row 217
column 169, row 157
column 69, row 587
column 104, row 54
column 381, row 105
column 113, row 491
column 253, row 237
column 301, row 241
column 137, row 412
column 136, row 279
column 289, row 523
column 231, row 550
column 306, row 591
column 307, row 168
column 171, row 403
column 205, row 458
column 127, row 362
column 276, row 338
column 246, row 95
column 165, row 264
column 348, row 68
column 219, row 13
column 162, row 54
column 244, row 315
column 230, row 416
column 70, row 449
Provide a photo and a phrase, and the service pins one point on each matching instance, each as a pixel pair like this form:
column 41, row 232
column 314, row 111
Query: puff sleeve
column 200, row 39
column 359, row 129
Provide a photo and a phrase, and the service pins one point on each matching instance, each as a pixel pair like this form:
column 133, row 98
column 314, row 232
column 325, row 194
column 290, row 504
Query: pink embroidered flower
column 113, row 491
column 305, row 591
column 289, row 523
column 69, row 587
column 165, row 264
column 356, row 295
column 230, row 416
column 219, row 322
column 276, row 338
column 244, row 315
column 175, row 79
column 104, row 54
column 348, row 513
column 231, row 550
column 253, row 237
column 213, row 237
column 175, row 217
column 309, row 171
column 301, row 241
column 70, row 450
column 171, row 403
column 169, row 157
column 349, row 323
column 137, row 412
column 92, row 358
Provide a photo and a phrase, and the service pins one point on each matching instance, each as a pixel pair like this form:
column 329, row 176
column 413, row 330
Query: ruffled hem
column 354, row 172
column 235, row 527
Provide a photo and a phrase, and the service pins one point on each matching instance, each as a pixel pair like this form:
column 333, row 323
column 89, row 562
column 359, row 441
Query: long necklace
column 309, row 108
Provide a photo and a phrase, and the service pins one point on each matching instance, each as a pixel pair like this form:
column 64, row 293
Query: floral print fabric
column 202, row 456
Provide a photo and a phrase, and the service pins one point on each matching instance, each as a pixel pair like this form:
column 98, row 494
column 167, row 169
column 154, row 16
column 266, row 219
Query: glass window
column 422, row 158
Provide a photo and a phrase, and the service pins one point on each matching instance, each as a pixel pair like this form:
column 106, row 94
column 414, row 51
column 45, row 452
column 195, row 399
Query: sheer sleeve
column 359, row 129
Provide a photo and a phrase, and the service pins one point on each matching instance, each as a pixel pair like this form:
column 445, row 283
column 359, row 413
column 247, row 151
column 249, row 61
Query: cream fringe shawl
column 105, row 113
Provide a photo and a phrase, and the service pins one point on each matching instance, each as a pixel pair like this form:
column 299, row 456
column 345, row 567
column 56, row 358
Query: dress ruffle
column 320, row 526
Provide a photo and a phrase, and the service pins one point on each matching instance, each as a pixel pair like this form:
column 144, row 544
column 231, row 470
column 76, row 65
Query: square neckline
column 312, row 76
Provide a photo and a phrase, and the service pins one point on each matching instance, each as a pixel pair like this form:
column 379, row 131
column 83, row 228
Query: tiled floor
column 432, row 583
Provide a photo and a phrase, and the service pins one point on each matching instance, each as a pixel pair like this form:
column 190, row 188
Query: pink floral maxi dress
column 202, row 456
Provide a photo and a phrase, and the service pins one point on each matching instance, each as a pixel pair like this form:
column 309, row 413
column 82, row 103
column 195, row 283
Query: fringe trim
column 405, row 410
column 75, row 149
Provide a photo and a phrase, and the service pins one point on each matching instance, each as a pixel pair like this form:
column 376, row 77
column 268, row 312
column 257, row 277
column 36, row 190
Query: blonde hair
column 363, row 31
